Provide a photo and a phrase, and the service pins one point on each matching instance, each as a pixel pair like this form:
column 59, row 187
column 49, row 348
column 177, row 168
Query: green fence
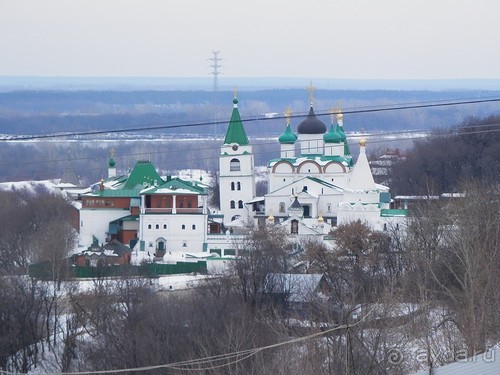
column 146, row 270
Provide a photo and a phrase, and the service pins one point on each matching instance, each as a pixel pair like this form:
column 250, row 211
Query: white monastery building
column 313, row 185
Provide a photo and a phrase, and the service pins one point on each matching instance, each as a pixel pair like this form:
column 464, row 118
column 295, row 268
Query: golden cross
column 311, row 89
column 332, row 111
column 288, row 115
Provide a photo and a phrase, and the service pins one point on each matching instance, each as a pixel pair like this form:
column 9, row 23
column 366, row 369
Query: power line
column 161, row 126
column 424, row 134
column 189, row 364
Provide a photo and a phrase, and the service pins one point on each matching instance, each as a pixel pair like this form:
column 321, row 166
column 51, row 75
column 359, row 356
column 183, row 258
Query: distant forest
column 41, row 112
column 174, row 146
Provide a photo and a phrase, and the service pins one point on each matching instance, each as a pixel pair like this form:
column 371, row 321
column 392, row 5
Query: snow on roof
column 299, row 287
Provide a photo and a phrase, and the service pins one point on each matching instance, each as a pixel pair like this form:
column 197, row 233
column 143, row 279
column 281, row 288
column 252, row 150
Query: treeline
column 39, row 112
column 439, row 163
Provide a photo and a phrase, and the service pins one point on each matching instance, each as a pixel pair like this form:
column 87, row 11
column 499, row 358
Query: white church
column 313, row 186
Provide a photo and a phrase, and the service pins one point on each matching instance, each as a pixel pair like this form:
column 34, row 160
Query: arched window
column 149, row 226
column 164, row 226
column 240, row 204
column 329, row 207
column 193, row 227
column 233, row 205
column 183, row 226
column 232, row 185
column 282, row 207
column 295, row 227
column 157, row 226
column 238, row 185
column 234, row 165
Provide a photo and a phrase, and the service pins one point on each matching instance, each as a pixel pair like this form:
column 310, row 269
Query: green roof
column 127, row 218
column 235, row 131
column 143, row 175
column 332, row 136
column 340, row 131
column 170, row 186
column 288, row 137
column 393, row 212
column 323, row 158
column 127, row 193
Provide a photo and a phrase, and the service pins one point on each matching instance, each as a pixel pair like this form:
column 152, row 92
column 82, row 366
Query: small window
column 184, row 244
column 240, row 204
column 193, row 227
column 282, row 207
column 232, row 185
column 164, row 226
column 329, row 208
column 234, row 165
column 149, row 226
column 183, row 226
column 238, row 186
column 157, row 226
column 233, row 204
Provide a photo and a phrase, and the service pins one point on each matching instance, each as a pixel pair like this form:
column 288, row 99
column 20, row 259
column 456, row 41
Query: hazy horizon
column 8, row 83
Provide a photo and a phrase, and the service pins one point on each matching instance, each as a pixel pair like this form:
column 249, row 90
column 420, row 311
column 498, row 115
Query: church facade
column 313, row 185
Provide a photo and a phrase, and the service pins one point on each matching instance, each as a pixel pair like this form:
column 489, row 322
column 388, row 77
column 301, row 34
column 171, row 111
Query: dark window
column 233, row 205
column 240, row 204
column 232, row 185
column 238, row 186
column 234, row 165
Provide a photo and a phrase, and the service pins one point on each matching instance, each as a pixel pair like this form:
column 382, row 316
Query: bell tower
column 236, row 171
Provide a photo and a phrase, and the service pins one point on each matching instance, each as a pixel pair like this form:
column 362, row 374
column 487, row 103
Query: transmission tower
column 215, row 69
column 215, row 72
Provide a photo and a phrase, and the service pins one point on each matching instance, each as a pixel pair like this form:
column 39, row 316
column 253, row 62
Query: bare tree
column 264, row 250
column 456, row 251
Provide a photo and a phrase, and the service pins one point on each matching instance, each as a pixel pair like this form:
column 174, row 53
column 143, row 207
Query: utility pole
column 215, row 70
column 215, row 88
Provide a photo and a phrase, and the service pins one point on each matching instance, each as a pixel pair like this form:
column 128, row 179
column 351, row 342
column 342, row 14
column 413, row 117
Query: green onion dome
column 332, row 136
column 288, row 137
column 341, row 133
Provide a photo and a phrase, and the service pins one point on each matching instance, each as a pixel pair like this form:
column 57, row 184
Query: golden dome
column 362, row 142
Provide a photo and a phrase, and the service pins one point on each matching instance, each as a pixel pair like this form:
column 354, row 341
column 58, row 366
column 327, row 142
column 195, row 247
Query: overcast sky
column 365, row 39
